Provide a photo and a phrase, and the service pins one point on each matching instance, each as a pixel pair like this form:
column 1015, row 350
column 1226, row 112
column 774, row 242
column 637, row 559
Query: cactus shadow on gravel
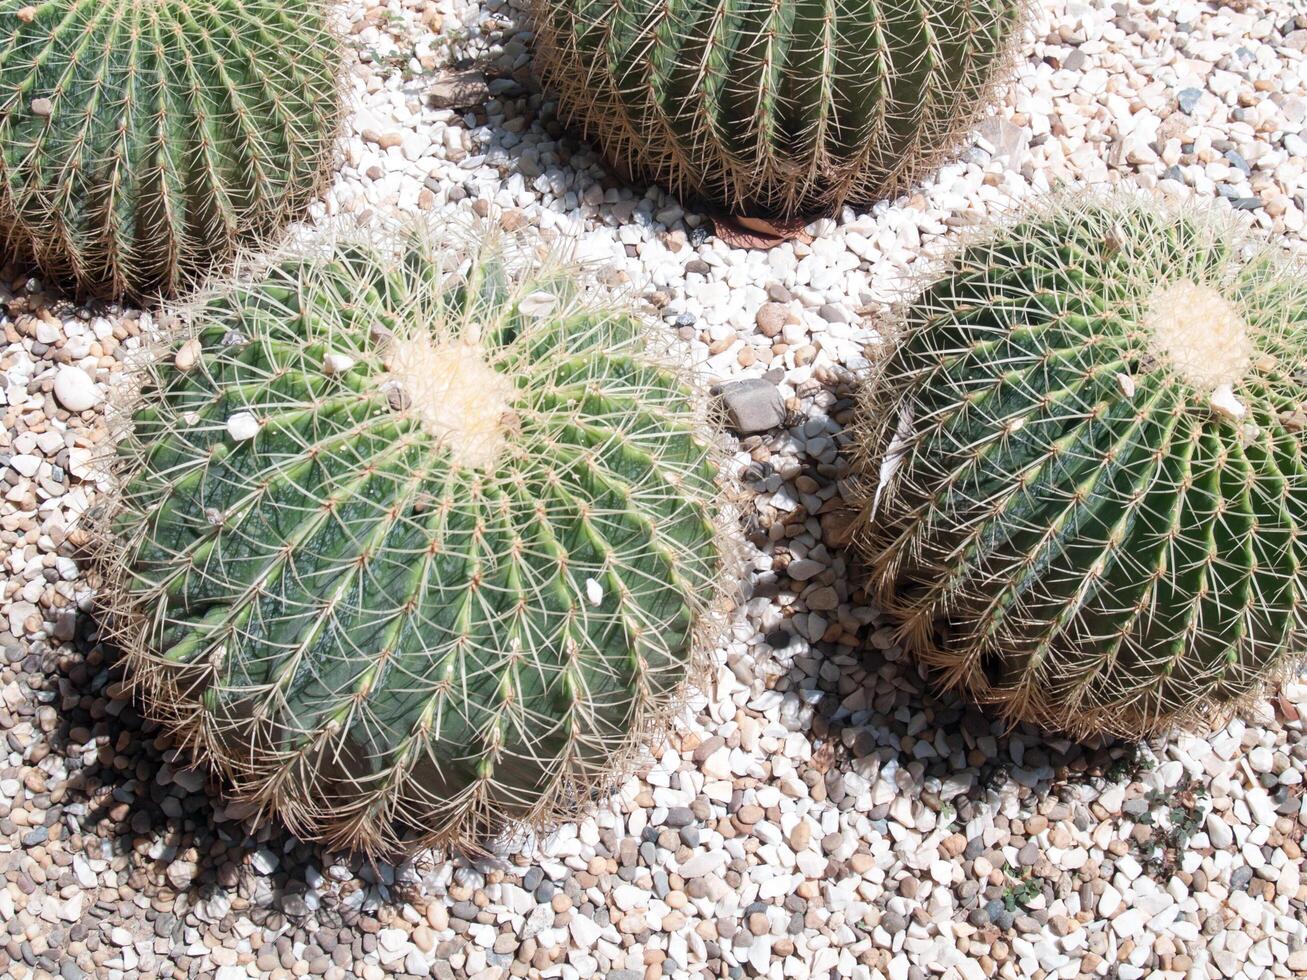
column 495, row 93
column 877, row 725
column 947, row 766
column 131, row 799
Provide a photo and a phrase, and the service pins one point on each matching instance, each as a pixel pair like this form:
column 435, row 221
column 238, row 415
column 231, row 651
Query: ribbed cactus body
column 142, row 140
column 782, row 108
column 1084, row 470
column 407, row 553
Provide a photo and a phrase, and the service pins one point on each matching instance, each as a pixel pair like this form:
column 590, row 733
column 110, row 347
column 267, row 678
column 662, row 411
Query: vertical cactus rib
column 385, row 642
column 176, row 132
column 1100, row 496
column 775, row 108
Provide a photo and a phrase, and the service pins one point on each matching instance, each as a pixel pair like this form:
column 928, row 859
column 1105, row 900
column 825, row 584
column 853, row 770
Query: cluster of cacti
column 412, row 545
column 1084, row 472
column 142, row 141
column 416, row 542
column 775, row 109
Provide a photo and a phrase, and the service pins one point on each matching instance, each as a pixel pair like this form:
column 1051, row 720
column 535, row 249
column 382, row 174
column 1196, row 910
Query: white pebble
column 75, row 389
column 242, row 426
column 187, row 355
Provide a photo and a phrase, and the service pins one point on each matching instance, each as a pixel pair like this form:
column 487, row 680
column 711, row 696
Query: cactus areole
column 1083, row 467
column 143, row 141
column 784, row 109
column 413, row 552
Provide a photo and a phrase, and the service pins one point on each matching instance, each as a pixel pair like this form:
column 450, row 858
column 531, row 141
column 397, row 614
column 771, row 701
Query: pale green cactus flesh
column 1083, row 469
column 775, row 108
column 142, row 141
column 414, row 552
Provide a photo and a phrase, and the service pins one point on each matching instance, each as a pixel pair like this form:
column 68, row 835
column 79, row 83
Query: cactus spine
column 1083, row 470
column 413, row 549
column 141, row 141
column 779, row 109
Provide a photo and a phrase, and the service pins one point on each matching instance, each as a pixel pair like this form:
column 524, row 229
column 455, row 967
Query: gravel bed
column 818, row 812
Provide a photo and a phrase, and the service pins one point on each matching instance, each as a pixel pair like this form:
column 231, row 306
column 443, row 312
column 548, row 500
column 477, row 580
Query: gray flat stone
column 458, row 90
column 752, row 405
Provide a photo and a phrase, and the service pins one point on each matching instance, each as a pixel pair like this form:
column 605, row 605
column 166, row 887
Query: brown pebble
column 861, row 862
column 801, row 836
column 953, row 845
column 771, row 317
column 748, row 815
column 513, row 219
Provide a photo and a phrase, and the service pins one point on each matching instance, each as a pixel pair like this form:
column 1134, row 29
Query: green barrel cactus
column 142, row 141
column 1084, row 488
column 414, row 548
column 775, row 110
